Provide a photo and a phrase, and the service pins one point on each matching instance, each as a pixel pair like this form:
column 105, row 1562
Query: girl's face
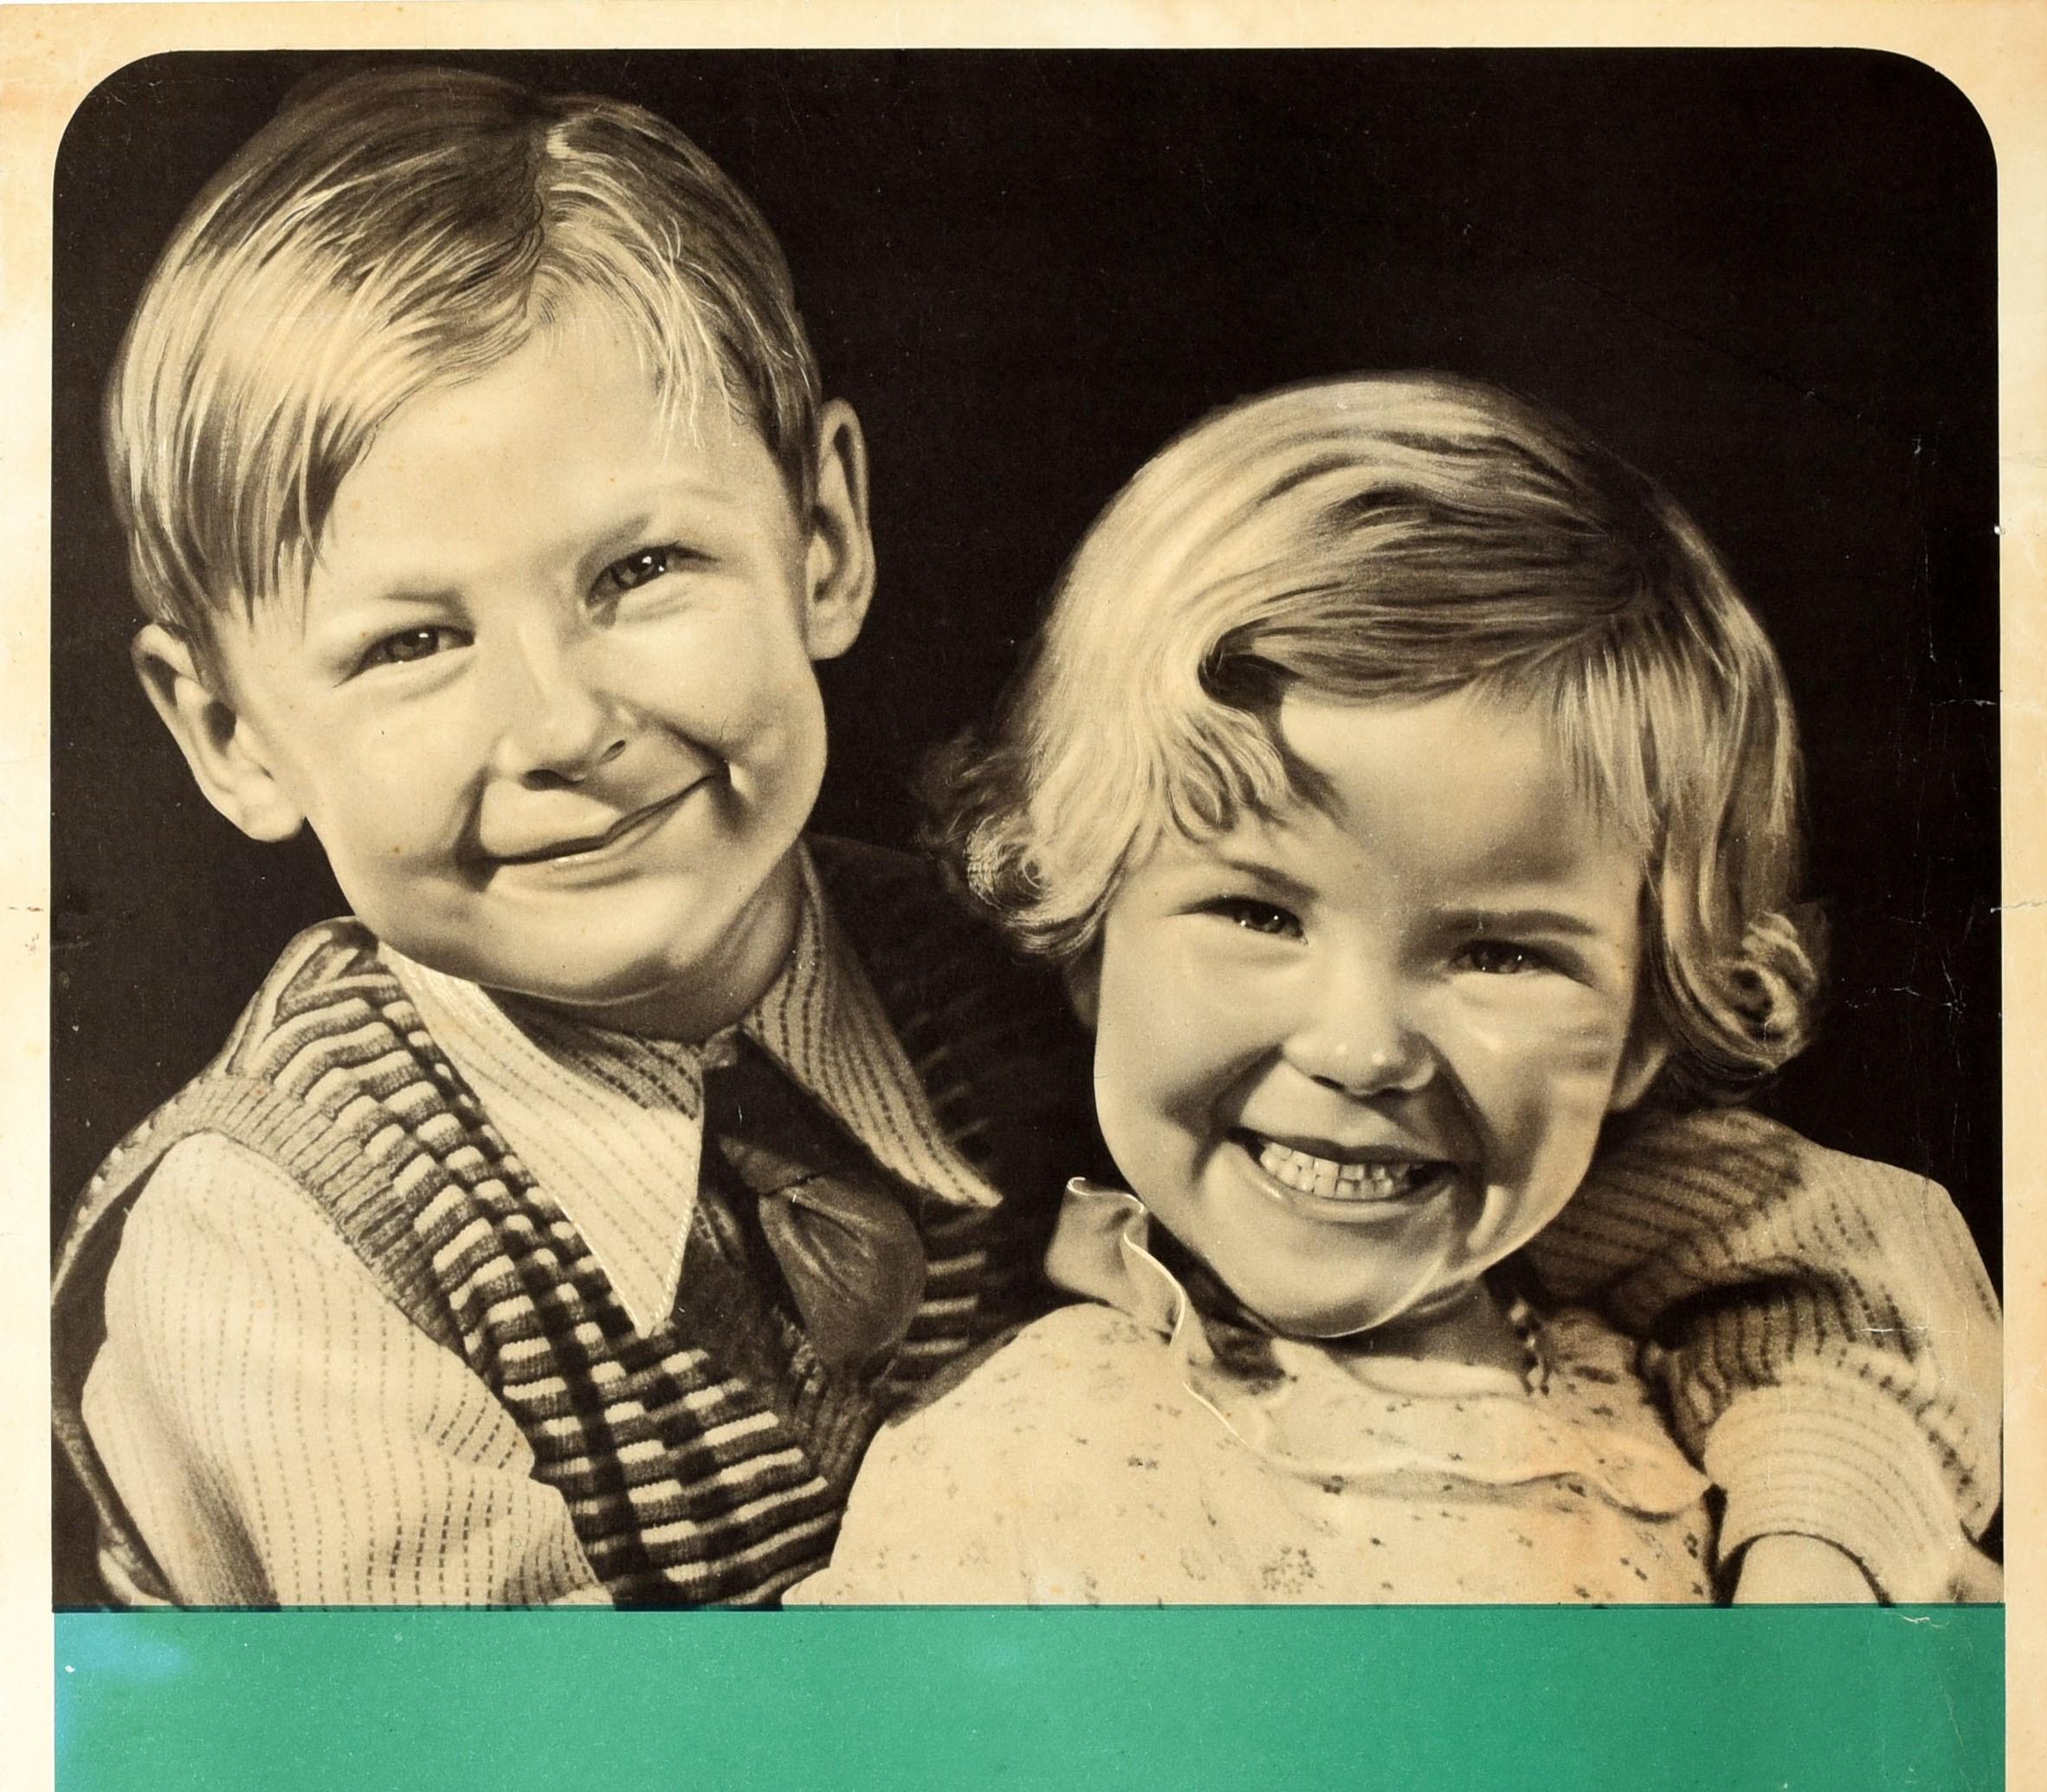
column 1354, row 1055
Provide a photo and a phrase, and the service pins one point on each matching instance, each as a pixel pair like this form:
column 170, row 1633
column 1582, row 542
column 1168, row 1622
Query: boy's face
column 1354, row 1055
column 550, row 704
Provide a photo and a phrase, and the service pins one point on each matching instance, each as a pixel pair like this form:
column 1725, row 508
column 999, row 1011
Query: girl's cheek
column 1532, row 1075
column 1549, row 1028
column 1231, row 1025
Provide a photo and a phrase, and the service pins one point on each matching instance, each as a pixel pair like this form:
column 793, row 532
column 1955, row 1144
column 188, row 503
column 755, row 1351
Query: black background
column 1768, row 278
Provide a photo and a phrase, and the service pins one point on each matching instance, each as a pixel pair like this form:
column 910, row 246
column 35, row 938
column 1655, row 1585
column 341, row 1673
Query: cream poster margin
column 52, row 56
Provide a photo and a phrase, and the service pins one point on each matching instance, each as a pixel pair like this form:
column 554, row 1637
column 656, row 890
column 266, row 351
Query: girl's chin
column 1308, row 1297
column 1386, row 1314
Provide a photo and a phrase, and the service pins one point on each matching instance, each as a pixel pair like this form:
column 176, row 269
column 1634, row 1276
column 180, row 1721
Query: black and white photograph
column 1018, row 827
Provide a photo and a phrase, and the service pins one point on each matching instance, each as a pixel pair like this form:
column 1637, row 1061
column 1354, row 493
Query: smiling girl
column 1413, row 802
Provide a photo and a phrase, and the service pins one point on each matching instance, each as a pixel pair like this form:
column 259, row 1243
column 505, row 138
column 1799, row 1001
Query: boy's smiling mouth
column 1368, row 1176
column 584, row 850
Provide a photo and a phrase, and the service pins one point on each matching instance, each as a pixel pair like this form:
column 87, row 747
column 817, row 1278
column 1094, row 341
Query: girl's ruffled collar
column 1322, row 1412
column 1103, row 1248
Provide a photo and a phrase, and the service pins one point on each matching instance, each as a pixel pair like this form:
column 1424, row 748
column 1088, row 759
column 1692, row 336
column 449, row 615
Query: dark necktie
column 847, row 1249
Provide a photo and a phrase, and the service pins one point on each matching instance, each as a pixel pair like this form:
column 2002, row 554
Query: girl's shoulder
column 1041, row 1376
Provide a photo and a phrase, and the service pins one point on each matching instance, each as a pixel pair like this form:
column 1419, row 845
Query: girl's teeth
column 1330, row 1180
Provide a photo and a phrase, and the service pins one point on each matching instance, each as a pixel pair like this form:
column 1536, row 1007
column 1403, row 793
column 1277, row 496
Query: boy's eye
column 1256, row 916
column 1501, row 957
column 641, row 567
column 410, row 644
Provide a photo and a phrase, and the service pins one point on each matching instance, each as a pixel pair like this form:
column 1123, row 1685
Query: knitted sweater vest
column 691, row 1476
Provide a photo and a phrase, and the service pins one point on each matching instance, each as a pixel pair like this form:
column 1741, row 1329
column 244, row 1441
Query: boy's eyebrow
column 347, row 616
column 607, row 543
column 409, row 590
column 604, row 543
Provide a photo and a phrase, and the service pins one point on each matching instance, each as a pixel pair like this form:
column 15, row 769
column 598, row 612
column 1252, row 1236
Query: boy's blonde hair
column 408, row 229
column 1404, row 537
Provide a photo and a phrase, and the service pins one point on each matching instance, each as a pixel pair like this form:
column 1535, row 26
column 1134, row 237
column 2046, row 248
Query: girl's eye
column 410, row 644
column 1501, row 957
column 639, row 567
column 1256, row 916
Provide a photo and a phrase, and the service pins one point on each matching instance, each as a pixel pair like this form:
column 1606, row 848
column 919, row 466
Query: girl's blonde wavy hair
column 1403, row 537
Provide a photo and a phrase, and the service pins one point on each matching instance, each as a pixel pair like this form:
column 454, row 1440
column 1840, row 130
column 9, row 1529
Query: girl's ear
column 227, row 760
column 1647, row 1053
column 1083, row 987
column 839, row 568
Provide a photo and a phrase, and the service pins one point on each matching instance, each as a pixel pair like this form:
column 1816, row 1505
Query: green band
column 1812, row 1698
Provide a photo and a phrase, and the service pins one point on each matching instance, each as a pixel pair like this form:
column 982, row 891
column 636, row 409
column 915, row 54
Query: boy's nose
column 557, row 723
column 1360, row 1035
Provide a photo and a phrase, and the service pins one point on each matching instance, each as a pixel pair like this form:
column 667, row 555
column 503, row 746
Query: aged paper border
column 51, row 56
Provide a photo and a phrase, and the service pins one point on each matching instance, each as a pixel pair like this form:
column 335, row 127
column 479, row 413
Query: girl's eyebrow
column 1262, row 872
column 1555, row 922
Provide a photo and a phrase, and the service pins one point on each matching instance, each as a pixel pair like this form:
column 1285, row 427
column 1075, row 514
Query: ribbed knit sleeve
column 282, row 1435
column 1822, row 1328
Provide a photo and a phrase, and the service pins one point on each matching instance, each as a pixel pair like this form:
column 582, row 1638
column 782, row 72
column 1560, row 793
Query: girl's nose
column 557, row 723
column 1359, row 1034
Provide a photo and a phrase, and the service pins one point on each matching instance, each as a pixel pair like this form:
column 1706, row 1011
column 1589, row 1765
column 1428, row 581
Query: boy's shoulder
column 331, row 984
column 1719, row 1150
column 948, row 980
column 330, row 976
column 328, row 998
column 1728, row 1196
column 331, row 1024
column 331, row 1010
column 986, row 1032
column 903, row 915
column 328, row 1020
column 989, row 1033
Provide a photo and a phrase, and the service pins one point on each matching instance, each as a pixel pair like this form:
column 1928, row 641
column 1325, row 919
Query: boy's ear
column 840, row 567
column 227, row 760
column 1647, row 1053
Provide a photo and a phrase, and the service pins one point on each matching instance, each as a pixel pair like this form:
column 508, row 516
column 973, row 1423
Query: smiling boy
column 562, row 1226
column 552, row 663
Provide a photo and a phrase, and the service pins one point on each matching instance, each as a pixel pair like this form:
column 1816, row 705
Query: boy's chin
column 658, row 999
column 670, row 955
column 680, row 986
